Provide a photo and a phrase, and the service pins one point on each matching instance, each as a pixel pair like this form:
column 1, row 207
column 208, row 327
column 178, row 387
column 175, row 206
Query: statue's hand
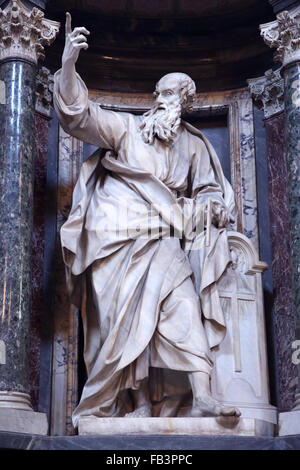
column 220, row 216
column 75, row 41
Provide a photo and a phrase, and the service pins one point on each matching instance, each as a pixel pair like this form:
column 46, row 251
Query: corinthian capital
column 284, row 35
column 268, row 92
column 24, row 32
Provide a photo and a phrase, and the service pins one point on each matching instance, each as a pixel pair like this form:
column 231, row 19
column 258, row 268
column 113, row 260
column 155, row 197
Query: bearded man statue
column 150, row 307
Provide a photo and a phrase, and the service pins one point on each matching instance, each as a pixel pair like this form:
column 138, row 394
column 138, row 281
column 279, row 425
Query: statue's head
column 174, row 95
column 176, row 86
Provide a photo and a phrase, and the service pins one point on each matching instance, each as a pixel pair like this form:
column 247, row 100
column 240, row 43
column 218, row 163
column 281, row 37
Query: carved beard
column 161, row 123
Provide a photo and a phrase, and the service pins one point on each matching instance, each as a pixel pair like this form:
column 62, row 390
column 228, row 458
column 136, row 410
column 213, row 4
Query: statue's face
column 167, row 93
column 163, row 119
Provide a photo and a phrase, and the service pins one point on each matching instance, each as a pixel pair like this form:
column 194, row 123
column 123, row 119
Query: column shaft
column 23, row 33
column 292, row 111
column 283, row 34
column 16, row 209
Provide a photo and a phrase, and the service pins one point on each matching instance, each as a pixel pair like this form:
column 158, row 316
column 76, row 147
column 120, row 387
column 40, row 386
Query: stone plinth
column 26, row 422
column 289, row 423
column 181, row 426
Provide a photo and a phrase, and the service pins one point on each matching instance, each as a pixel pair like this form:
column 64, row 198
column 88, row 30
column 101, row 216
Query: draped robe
column 147, row 301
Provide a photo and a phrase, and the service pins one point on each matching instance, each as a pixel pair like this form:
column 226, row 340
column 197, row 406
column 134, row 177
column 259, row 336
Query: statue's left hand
column 220, row 216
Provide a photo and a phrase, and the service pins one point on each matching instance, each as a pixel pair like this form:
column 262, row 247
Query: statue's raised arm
column 74, row 42
column 79, row 116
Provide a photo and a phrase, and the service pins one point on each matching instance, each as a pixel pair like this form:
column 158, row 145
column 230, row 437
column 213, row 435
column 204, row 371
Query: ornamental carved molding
column 44, row 91
column 24, row 32
column 280, row 5
column 268, row 92
column 284, row 35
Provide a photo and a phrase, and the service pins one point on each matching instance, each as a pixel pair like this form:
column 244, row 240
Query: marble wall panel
column 65, row 340
column 240, row 123
column 38, row 242
column 248, row 170
column 281, row 259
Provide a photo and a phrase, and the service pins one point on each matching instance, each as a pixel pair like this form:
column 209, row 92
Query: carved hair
column 187, row 90
column 165, row 123
column 161, row 123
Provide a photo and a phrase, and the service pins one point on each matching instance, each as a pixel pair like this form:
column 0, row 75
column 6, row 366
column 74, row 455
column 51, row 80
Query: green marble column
column 283, row 34
column 19, row 53
column 291, row 73
column 16, row 210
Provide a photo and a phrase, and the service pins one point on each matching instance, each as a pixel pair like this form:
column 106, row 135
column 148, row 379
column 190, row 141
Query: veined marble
column 65, row 345
column 283, row 35
column 281, row 259
column 16, row 189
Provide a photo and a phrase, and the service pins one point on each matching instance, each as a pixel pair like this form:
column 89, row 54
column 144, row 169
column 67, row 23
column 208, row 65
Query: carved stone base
column 260, row 412
column 289, row 423
column 15, row 400
column 26, row 422
column 17, row 415
column 191, row 426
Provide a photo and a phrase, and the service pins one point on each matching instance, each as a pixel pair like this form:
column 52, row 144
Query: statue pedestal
column 289, row 423
column 21, row 421
column 192, row 426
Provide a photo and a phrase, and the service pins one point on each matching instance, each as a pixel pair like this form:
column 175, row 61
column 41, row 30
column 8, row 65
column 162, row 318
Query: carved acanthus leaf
column 284, row 35
column 268, row 92
column 24, row 32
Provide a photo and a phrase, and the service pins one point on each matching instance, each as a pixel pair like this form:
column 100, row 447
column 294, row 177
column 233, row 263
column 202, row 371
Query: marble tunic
column 146, row 301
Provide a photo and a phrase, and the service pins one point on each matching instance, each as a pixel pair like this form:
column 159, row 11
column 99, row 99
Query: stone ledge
column 223, row 426
column 10, row 440
column 20, row 421
column 289, row 423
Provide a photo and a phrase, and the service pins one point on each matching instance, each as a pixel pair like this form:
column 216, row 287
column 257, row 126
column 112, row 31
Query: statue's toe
column 208, row 406
column 143, row 411
column 229, row 411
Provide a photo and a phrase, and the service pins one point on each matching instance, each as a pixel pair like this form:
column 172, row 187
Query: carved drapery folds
column 24, row 32
column 268, row 92
column 284, row 35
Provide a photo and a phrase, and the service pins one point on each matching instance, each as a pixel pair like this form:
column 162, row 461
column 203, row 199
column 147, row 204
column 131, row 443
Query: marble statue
column 150, row 307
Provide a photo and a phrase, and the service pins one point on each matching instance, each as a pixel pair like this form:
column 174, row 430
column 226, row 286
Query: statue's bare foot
column 143, row 411
column 208, row 406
